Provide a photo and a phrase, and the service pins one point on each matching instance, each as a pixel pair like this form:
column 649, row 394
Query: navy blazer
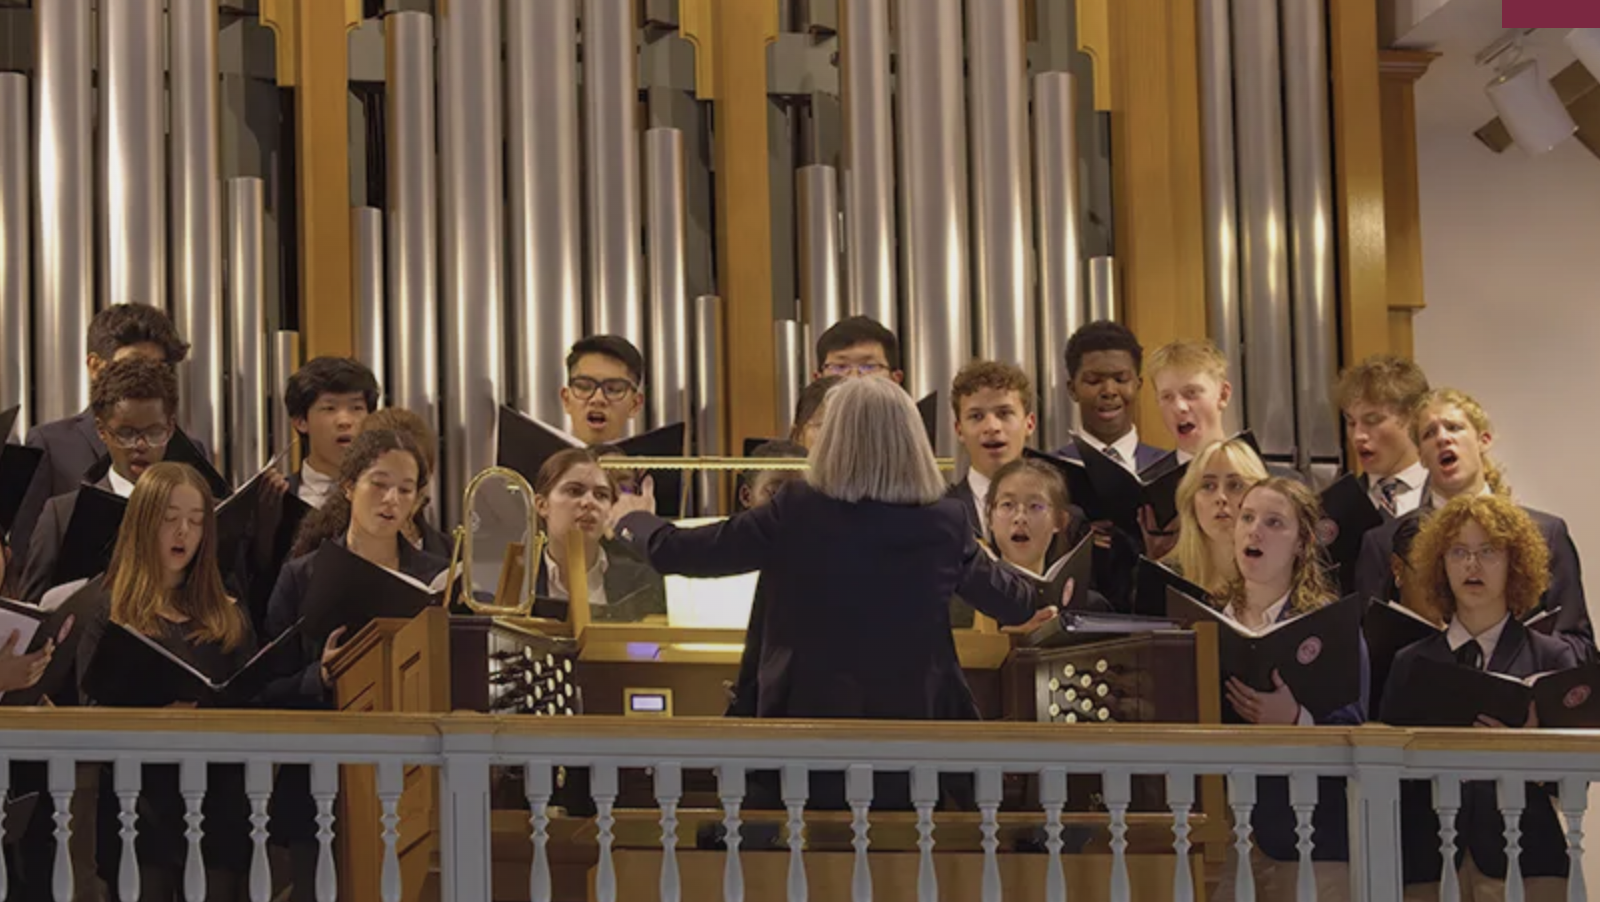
column 1375, row 578
column 855, row 620
column 1521, row 652
column 300, row 683
column 1143, row 455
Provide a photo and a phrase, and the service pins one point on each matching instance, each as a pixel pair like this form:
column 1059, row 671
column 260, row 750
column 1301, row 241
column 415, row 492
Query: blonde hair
column 1191, row 554
column 1508, row 526
column 1188, row 355
column 1382, row 380
column 873, row 447
column 136, row 577
column 1475, row 414
column 1309, row 588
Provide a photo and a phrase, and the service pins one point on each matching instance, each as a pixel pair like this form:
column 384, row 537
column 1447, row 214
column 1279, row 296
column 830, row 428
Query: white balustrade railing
column 464, row 747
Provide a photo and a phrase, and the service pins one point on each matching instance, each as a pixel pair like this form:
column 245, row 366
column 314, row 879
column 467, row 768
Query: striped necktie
column 1388, row 488
column 1114, row 455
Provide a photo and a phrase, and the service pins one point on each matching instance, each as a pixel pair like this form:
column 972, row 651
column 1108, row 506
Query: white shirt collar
column 1438, row 501
column 122, row 488
column 979, row 484
column 1275, row 610
column 557, row 584
column 314, row 486
column 1457, row 636
column 1409, row 497
column 1126, row 447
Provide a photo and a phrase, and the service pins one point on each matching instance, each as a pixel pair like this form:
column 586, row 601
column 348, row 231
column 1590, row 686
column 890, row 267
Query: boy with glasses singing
column 603, row 393
column 858, row 346
column 134, row 402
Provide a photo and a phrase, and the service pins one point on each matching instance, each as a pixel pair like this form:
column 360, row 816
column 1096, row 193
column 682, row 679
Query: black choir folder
column 349, row 591
column 525, row 444
column 239, row 515
column 91, row 535
column 165, row 678
column 1348, row 515
column 18, row 464
column 1446, row 694
column 1074, row 565
column 1317, row 654
column 1151, row 582
column 56, row 626
column 1105, row 490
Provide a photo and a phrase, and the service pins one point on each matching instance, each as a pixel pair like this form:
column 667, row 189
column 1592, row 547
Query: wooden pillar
column 730, row 39
column 1359, row 179
column 1399, row 70
column 313, row 59
column 1146, row 58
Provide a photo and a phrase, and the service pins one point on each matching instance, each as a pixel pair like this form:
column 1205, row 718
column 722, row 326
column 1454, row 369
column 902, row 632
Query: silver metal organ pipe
column 869, row 196
column 366, row 247
column 1103, row 288
column 133, row 227
column 471, row 235
column 1002, row 216
column 1221, row 191
column 610, row 103
column 246, row 331
column 708, row 417
column 667, row 385
column 63, row 205
column 413, row 214
column 933, row 198
column 1311, row 226
column 789, row 351
column 1268, row 377
column 195, row 192
column 1061, row 300
column 817, row 209
column 546, row 239
column 285, row 360
column 16, row 299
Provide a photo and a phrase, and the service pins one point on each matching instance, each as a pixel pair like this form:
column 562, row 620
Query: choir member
column 1280, row 577
column 327, row 399
column 756, row 487
column 74, row 445
column 164, row 583
column 133, row 403
column 1482, row 564
column 421, row 533
column 858, row 346
column 1454, row 437
column 1208, row 511
column 808, row 410
column 574, row 496
column 1192, row 390
column 1032, row 523
column 1103, row 371
column 603, row 394
column 993, row 407
column 1376, row 397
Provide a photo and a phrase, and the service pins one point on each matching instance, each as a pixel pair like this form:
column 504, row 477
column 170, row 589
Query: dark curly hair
column 133, row 379
column 123, row 325
column 333, row 519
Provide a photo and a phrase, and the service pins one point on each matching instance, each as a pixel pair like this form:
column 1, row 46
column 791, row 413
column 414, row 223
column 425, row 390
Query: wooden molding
column 1359, row 179
column 1095, row 40
column 1405, row 65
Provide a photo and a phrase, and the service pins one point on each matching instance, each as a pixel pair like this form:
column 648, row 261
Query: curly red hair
column 1509, row 527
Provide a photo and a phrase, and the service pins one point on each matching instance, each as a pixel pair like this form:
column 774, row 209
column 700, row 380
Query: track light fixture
column 1532, row 112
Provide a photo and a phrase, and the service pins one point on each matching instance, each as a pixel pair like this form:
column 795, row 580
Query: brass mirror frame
column 533, row 555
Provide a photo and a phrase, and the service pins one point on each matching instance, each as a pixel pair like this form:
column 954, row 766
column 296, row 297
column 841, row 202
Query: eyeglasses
column 154, row 437
column 1488, row 555
column 853, row 369
column 1033, row 509
column 615, row 389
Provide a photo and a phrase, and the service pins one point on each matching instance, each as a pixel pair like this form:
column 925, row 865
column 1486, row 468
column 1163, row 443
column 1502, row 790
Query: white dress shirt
column 1409, row 495
column 315, row 487
column 1126, row 447
column 1457, row 636
column 557, row 584
column 122, row 488
column 979, row 484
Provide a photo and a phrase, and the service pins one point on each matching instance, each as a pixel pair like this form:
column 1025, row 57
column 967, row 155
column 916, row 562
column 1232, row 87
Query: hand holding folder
column 349, row 591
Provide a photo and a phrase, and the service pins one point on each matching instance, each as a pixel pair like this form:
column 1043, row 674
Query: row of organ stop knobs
column 527, row 681
column 1083, row 694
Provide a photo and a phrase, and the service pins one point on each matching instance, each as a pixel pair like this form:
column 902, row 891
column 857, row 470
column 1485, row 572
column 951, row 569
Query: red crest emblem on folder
column 1576, row 696
column 1308, row 651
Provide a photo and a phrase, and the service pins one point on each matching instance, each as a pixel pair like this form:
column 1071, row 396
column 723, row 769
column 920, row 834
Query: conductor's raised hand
column 628, row 503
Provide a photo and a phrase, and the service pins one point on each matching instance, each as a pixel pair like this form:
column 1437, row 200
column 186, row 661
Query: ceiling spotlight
column 1585, row 44
column 1529, row 107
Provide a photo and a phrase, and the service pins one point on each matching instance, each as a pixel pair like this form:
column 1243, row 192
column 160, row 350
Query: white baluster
column 192, row 786
column 63, row 779
column 730, row 786
column 1053, row 796
column 796, row 789
column 858, row 790
column 989, row 793
column 5, row 792
column 126, row 777
column 1242, row 798
column 1303, row 799
column 391, row 784
column 324, row 787
column 1180, row 799
column 669, row 789
column 258, row 788
column 1117, row 791
column 603, row 786
column 1447, row 801
column 925, row 795
column 537, row 784
column 1513, row 796
column 1574, row 803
